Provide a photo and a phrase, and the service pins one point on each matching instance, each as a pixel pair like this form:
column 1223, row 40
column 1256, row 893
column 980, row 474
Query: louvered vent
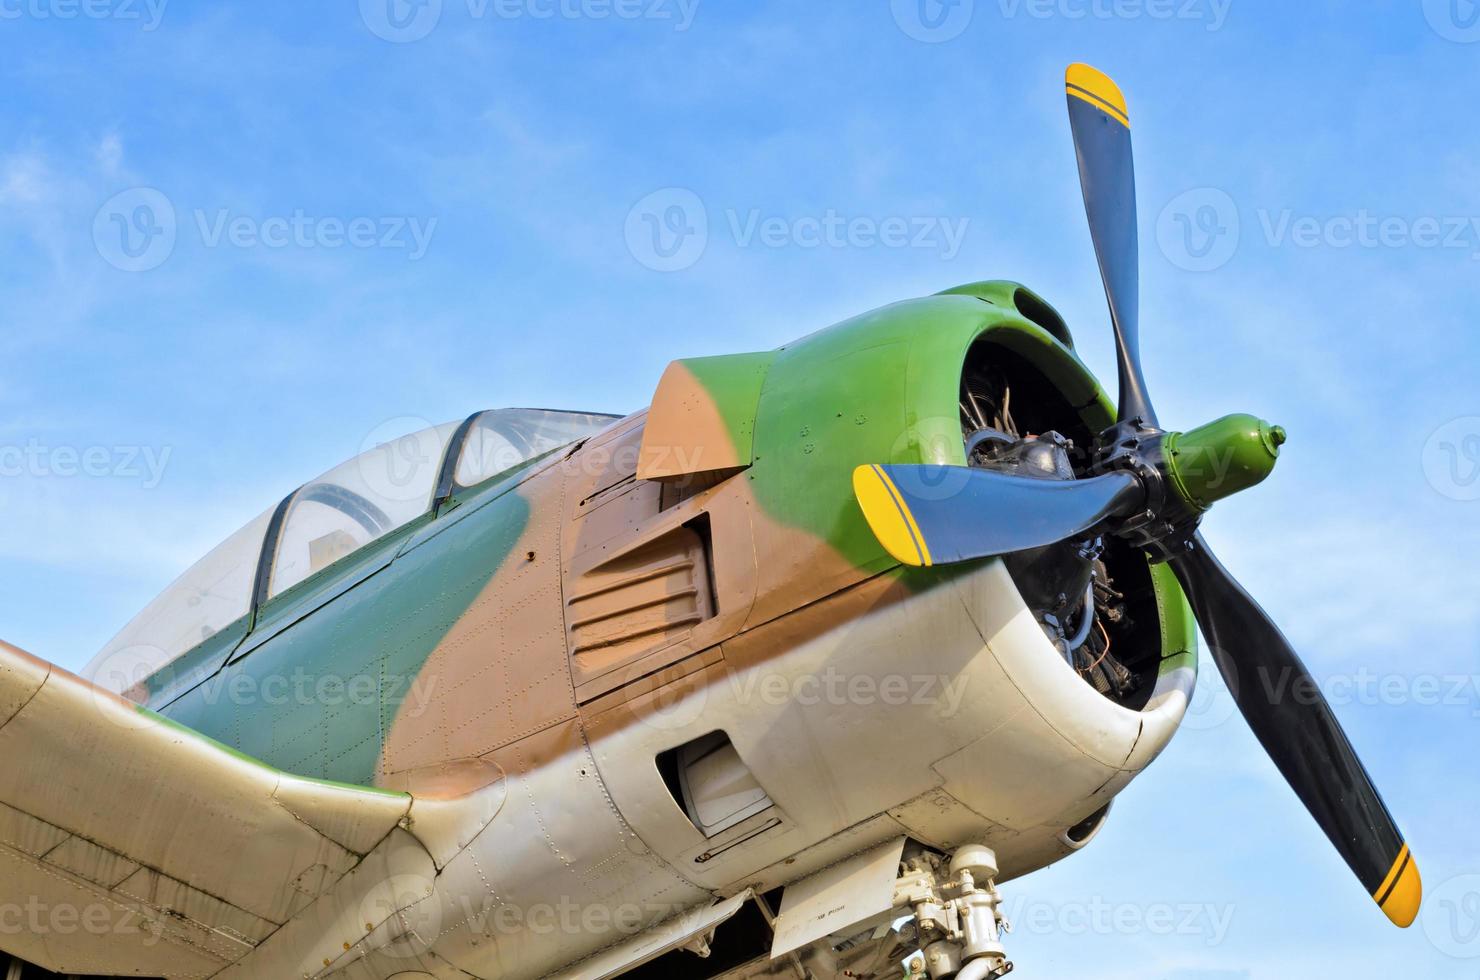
column 639, row 601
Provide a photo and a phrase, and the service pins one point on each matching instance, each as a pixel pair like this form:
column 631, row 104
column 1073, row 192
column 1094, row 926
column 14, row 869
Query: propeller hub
column 1182, row 474
column 1222, row 458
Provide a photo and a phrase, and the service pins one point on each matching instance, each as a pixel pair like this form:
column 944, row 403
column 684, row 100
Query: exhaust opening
column 1085, row 830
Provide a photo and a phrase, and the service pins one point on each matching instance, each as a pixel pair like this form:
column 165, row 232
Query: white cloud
column 109, row 155
column 25, row 180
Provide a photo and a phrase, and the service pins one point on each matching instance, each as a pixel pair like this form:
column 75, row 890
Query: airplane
column 785, row 675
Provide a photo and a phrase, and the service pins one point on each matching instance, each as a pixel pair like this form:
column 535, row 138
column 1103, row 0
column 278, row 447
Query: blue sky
column 358, row 221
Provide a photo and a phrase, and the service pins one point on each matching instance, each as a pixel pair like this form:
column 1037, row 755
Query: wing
column 132, row 845
column 691, row 930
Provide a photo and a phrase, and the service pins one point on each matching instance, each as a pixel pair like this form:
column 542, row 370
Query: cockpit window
column 358, row 502
column 215, row 592
column 345, row 509
column 501, row 439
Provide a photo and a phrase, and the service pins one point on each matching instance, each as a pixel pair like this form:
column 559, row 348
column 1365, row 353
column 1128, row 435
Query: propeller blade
column 1295, row 725
column 1102, row 141
column 936, row 515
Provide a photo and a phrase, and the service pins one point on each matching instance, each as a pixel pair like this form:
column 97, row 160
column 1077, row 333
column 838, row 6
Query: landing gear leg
column 958, row 914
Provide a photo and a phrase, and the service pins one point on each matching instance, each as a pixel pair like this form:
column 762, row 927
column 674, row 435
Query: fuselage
column 669, row 662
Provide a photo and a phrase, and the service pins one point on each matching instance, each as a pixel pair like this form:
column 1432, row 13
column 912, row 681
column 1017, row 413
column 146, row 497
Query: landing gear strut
column 957, row 913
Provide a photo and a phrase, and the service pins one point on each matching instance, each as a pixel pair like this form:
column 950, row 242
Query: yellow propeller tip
column 889, row 516
column 1401, row 893
column 1089, row 84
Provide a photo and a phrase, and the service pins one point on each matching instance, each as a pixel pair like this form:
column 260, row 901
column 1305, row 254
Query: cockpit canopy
column 325, row 520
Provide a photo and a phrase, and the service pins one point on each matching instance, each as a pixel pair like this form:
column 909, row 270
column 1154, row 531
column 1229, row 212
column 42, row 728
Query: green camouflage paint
column 317, row 697
column 884, row 388
column 881, row 387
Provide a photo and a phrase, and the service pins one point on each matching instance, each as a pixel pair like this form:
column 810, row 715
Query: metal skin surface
column 536, row 644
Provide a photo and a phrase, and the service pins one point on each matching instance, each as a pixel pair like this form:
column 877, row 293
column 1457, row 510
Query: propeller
column 1102, row 141
column 1295, row 725
column 1152, row 487
column 950, row 499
